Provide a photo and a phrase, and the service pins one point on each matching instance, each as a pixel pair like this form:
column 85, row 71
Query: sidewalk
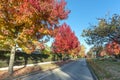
column 6, row 68
column 39, row 73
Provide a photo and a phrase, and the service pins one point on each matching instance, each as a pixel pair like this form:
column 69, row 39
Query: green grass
column 105, row 69
column 4, row 63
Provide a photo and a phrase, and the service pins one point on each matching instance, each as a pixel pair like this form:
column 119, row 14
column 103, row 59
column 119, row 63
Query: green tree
column 106, row 30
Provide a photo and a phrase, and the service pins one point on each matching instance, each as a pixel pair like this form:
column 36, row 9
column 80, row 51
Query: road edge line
column 92, row 72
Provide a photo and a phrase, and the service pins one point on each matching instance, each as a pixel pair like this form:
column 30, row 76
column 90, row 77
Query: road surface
column 76, row 70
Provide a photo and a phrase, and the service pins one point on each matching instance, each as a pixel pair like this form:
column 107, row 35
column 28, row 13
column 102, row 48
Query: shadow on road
column 76, row 70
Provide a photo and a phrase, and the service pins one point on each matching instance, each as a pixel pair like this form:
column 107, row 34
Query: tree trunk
column 11, row 62
column 61, row 57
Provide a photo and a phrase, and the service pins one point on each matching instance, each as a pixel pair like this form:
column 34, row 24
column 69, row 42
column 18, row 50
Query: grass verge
column 105, row 69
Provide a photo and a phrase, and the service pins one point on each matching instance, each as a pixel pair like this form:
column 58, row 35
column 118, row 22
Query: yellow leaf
column 1, row 37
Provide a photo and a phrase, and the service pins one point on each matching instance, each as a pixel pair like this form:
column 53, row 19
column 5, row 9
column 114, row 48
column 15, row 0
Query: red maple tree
column 65, row 40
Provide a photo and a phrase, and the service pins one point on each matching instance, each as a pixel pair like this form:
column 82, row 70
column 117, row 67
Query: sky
column 85, row 12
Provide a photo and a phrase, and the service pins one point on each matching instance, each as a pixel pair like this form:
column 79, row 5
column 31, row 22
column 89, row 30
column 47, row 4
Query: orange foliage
column 23, row 21
column 102, row 53
column 113, row 48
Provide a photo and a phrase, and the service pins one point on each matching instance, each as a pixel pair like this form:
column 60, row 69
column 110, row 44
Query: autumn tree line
column 28, row 24
column 104, row 37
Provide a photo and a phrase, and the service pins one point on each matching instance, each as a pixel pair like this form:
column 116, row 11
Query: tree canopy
column 106, row 30
column 23, row 22
column 65, row 41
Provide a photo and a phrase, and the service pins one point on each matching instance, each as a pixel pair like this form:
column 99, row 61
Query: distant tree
column 90, row 53
column 95, row 51
column 65, row 41
column 103, row 53
column 82, row 51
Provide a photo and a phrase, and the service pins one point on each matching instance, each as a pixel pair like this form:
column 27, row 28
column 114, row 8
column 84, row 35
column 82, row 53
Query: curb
column 92, row 72
column 6, row 68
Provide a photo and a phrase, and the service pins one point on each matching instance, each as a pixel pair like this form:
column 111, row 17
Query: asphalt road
column 77, row 70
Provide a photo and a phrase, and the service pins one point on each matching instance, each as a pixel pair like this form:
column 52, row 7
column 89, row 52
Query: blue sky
column 85, row 12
